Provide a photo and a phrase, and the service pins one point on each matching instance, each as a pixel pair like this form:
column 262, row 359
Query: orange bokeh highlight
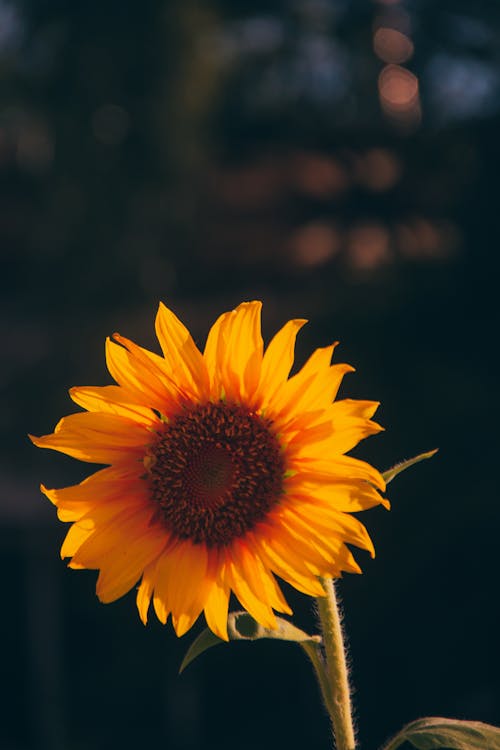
column 399, row 95
column 378, row 169
column 368, row 247
column 392, row 46
column 315, row 244
column 398, row 87
column 318, row 175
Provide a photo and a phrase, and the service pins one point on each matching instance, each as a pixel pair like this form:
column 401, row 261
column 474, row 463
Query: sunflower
column 222, row 472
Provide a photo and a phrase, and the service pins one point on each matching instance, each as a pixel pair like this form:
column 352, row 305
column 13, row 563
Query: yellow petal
column 340, row 527
column 233, row 353
column 104, row 486
column 342, row 438
column 253, row 601
column 312, row 388
column 125, row 563
column 185, row 361
column 97, row 437
column 350, row 407
column 114, row 532
column 165, row 569
column 318, row 556
column 141, row 374
column 343, row 441
column 348, row 497
column 336, row 469
column 217, row 601
column 306, row 434
column 113, row 399
column 322, row 556
column 188, row 589
column 74, row 539
column 287, row 565
column 278, row 360
column 260, row 579
column 78, row 500
column 214, row 354
column 145, row 591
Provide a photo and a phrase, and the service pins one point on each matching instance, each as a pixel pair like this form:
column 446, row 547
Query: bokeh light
column 399, row 94
column 392, row 46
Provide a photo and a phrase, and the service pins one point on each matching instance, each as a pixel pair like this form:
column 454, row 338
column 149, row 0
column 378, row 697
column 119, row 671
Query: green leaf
column 242, row 627
column 434, row 732
column 204, row 641
column 398, row 468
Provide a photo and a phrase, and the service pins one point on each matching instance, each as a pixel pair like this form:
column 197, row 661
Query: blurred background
column 339, row 160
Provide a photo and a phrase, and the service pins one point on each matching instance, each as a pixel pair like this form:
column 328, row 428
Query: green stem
column 339, row 706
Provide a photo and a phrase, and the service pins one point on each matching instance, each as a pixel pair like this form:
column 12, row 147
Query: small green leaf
column 242, row 627
column 204, row 641
column 435, row 733
column 398, row 468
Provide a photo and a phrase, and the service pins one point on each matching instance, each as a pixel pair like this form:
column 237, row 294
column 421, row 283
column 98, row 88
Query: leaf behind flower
column 435, row 732
column 398, row 468
column 242, row 627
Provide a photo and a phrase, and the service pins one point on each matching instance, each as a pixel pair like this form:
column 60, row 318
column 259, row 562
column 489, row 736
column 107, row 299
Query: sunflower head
column 222, row 472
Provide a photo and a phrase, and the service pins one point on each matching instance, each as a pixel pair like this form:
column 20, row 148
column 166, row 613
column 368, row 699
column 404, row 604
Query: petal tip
column 142, row 610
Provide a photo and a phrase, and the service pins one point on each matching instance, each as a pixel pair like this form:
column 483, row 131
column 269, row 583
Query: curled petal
column 278, row 360
column 233, row 353
column 181, row 354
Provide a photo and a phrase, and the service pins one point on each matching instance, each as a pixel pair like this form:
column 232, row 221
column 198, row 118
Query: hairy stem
column 339, row 706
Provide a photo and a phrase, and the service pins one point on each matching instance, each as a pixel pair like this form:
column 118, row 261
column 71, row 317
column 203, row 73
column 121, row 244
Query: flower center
column 215, row 471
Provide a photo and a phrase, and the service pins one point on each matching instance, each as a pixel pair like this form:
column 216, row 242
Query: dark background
column 338, row 160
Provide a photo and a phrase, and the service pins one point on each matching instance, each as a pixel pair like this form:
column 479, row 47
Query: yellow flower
column 222, row 472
